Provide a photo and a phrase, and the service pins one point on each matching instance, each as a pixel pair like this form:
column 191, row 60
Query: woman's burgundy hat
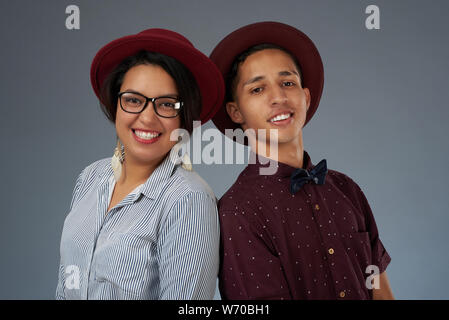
column 282, row 35
column 172, row 44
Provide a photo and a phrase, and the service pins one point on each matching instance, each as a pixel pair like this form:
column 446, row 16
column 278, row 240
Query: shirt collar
column 283, row 170
column 154, row 184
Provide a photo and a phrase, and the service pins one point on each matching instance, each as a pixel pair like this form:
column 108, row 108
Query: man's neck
column 291, row 153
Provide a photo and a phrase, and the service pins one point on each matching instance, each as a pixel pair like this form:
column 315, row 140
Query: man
column 304, row 232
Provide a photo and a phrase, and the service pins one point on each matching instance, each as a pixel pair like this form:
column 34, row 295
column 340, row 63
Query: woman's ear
column 234, row 112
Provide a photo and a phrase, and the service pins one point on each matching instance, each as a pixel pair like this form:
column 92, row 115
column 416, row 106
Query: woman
column 141, row 225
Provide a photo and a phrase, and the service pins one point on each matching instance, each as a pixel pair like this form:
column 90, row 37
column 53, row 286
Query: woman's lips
column 146, row 137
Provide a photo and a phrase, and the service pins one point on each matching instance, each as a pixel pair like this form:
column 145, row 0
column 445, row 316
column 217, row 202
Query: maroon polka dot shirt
column 315, row 244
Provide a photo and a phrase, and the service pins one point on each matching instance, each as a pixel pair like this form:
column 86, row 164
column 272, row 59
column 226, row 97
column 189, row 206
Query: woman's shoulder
column 95, row 169
column 186, row 182
column 87, row 179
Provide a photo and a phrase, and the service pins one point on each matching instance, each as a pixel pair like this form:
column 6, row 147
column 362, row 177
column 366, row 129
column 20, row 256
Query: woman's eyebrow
column 174, row 95
column 132, row 91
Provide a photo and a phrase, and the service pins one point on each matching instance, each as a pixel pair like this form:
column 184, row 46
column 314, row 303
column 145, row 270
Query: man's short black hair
column 231, row 78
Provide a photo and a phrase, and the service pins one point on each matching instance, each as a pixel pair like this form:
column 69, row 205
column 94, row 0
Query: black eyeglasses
column 165, row 107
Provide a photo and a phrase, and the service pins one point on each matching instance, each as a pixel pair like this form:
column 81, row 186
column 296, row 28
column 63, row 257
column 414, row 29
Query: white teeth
column 146, row 135
column 281, row 117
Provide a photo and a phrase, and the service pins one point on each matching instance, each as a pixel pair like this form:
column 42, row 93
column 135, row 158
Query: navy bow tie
column 300, row 176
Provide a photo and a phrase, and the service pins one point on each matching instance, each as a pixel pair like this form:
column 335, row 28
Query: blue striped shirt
column 160, row 242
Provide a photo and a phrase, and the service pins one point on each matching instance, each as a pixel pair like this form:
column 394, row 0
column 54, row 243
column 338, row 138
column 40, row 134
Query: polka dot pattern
column 314, row 244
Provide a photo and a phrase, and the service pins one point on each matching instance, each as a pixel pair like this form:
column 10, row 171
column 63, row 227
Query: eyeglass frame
column 119, row 96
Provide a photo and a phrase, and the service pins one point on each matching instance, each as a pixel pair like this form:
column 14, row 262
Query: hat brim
column 206, row 74
column 282, row 35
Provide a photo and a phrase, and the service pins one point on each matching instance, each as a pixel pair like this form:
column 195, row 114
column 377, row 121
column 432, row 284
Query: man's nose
column 277, row 96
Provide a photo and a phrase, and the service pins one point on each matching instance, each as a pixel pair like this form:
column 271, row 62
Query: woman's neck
column 135, row 173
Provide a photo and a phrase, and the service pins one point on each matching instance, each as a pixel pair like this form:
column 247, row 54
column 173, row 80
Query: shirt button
column 331, row 251
column 342, row 294
column 317, row 207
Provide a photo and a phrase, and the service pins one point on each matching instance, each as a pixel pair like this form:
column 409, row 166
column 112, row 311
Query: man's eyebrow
column 281, row 73
column 288, row 73
column 252, row 80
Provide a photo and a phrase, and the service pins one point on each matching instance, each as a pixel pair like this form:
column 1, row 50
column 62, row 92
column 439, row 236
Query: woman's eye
column 133, row 101
column 167, row 105
column 289, row 83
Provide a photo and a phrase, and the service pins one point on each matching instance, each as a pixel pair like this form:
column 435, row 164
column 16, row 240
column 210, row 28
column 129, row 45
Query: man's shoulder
column 241, row 192
column 341, row 180
column 346, row 186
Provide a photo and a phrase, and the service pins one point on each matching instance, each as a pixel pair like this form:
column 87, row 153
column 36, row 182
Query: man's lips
column 281, row 117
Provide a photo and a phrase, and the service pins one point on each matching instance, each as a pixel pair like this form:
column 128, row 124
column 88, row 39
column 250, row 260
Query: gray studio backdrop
column 382, row 119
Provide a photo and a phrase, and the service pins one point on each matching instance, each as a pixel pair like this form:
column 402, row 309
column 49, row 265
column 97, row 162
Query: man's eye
column 288, row 83
column 256, row 90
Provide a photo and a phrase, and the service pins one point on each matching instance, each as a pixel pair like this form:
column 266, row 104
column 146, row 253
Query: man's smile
column 281, row 117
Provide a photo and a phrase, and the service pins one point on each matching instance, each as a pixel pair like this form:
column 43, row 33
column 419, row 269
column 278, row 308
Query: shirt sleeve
column 251, row 267
column 188, row 249
column 75, row 196
column 77, row 189
column 59, row 289
column 379, row 255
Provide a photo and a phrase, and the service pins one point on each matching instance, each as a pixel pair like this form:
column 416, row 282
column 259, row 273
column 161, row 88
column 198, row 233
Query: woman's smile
column 146, row 136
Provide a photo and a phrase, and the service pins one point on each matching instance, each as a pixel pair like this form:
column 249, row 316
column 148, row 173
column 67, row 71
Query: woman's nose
column 148, row 114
